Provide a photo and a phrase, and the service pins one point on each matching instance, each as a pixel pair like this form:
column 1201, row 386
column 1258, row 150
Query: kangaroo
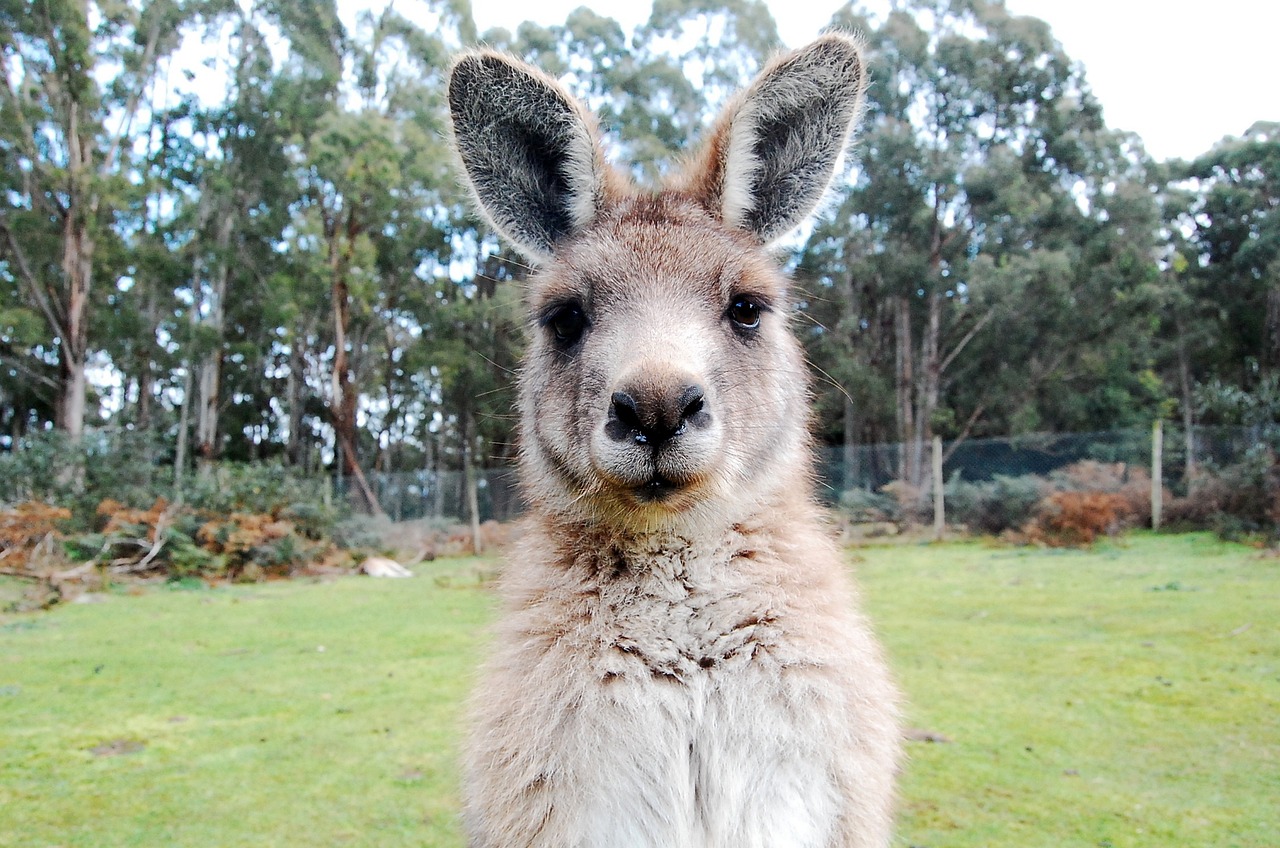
column 679, row 663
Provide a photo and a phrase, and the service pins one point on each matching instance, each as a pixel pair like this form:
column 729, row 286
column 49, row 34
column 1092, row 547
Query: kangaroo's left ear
column 774, row 149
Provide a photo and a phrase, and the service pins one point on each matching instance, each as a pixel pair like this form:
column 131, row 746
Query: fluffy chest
column 665, row 615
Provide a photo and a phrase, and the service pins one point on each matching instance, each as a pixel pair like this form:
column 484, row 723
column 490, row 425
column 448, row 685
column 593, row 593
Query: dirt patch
column 118, row 747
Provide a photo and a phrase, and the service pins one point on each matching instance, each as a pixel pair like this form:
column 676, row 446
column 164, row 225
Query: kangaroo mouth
column 656, row 488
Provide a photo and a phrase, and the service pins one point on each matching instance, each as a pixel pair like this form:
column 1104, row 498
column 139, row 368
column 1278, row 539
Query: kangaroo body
column 679, row 660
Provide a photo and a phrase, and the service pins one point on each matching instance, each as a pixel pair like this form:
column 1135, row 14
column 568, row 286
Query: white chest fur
column 670, row 699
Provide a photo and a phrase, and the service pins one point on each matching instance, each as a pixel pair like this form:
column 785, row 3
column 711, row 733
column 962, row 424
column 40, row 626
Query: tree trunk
column 469, row 477
column 931, row 343
column 184, row 425
column 77, row 271
column 342, row 406
column 294, row 394
column 210, row 370
column 437, row 469
column 931, row 375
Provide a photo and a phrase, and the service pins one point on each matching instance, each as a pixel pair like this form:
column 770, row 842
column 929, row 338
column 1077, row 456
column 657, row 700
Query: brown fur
column 679, row 661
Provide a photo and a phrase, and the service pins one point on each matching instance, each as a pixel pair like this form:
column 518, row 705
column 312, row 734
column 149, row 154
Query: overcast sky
column 1180, row 74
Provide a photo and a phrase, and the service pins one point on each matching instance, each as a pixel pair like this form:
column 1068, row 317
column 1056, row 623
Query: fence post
column 939, row 508
column 1157, row 472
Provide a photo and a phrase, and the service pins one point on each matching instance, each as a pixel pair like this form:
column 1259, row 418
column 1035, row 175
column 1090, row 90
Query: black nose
column 655, row 415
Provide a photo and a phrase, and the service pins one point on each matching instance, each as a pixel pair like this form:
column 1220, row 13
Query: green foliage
column 1240, row 501
column 116, row 464
column 1220, row 402
column 862, row 505
column 189, row 560
column 266, row 488
column 993, row 506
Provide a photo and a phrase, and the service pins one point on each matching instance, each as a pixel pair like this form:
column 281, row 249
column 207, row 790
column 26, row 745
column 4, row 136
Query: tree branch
column 29, row 280
column 968, row 337
column 135, row 95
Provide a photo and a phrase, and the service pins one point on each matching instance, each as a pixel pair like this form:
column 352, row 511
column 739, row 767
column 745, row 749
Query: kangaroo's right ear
column 530, row 150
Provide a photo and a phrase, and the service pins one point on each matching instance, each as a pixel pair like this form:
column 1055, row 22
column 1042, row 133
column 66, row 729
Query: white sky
column 1182, row 75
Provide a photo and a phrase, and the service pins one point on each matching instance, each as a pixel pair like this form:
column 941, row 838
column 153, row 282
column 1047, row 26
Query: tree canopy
column 286, row 268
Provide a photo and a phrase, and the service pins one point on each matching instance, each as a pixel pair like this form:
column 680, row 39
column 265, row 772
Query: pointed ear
column 774, row 150
column 529, row 149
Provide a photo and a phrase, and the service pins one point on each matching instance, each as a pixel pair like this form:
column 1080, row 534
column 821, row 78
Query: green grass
column 1127, row 696
column 287, row 714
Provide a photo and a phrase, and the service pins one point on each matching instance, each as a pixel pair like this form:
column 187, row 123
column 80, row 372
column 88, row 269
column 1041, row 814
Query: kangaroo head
column 661, row 381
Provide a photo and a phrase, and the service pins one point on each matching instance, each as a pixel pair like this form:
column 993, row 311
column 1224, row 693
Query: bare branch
column 29, row 280
column 968, row 337
column 135, row 96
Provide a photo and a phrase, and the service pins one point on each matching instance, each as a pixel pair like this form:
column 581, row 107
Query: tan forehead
column 658, row 245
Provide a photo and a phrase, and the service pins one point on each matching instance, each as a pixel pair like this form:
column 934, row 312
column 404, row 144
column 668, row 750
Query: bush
column 863, row 506
column 123, row 465
column 267, row 488
column 1069, row 519
column 1238, row 501
column 256, row 544
column 1131, row 484
column 996, row 505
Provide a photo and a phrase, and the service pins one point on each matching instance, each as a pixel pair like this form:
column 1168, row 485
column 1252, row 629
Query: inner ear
column 775, row 149
column 529, row 150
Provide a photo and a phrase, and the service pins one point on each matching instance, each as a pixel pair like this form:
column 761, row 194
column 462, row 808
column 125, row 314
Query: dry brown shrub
column 1073, row 519
column 27, row 523
column 240, row 532
column 1132, row 483
column 125, row 520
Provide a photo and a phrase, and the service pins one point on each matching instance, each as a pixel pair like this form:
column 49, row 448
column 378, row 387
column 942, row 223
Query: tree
column 984, row 173
column 64, row 165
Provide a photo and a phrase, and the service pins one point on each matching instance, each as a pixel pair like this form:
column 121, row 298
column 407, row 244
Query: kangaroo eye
column 744, row 312
column 566, row 322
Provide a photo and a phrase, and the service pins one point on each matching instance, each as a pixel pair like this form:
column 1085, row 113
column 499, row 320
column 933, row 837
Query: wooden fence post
column 1157, row 472
column 939, row 507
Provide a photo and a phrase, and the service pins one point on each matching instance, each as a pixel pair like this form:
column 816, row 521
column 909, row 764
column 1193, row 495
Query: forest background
column 205, row 299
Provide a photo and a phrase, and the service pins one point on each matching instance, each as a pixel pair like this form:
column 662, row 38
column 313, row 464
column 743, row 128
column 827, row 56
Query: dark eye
column 566, row 323
column 744, row 312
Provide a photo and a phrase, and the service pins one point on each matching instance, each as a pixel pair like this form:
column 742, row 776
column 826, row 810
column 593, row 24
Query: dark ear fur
column 775, row 148
column 529, row 149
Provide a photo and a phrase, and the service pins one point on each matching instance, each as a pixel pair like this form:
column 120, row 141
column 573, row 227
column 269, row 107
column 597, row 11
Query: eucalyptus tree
column 983, row 175
column 376, row 224
column 1233, row 239
column 74, row 78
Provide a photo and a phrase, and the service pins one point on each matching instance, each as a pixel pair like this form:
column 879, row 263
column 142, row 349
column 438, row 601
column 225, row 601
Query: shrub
column 188, row 560
column 1237, row 501
column 30, row 537
column 996, row 505
column 1068, row 519
column 118, row 464
column 256, row 544
column 1130, row 483
column 861, row 505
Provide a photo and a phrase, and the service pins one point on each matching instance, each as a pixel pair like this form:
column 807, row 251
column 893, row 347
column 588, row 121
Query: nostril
column 692, row 401
column 624, row 407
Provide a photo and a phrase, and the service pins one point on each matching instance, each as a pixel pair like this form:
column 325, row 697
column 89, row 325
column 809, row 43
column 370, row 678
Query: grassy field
column 1127, row 696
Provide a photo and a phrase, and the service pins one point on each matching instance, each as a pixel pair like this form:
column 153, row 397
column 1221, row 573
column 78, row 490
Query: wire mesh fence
column 871, row 467
column 442, row 495
column 842, row 470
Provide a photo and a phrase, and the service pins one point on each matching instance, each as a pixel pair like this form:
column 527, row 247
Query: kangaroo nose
column 655, row 416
